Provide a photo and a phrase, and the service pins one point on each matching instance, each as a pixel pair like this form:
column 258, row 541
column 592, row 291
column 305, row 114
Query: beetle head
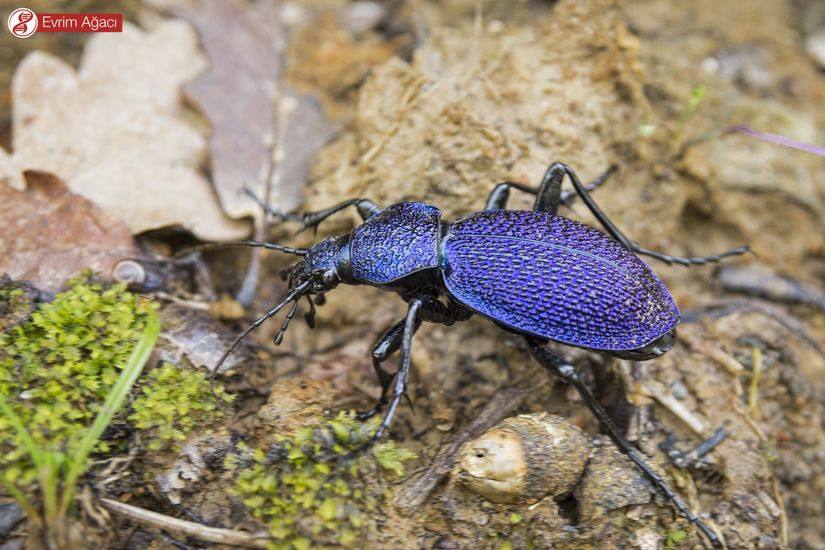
column 319, row 270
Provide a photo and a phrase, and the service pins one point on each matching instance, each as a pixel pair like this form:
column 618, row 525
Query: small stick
column 783, row 516
column 753, row 389
column 188, row 528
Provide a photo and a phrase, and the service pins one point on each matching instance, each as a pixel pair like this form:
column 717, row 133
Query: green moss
column 57, row 367
column 175, row 400
column 310, row 491
column 673, row 538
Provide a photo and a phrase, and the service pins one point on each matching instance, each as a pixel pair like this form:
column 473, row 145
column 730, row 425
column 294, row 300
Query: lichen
column 314, row 487
column 175, row 400
column 57, row 367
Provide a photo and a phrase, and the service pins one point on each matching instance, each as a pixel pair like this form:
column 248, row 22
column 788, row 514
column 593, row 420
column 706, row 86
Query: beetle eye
column 328, row 277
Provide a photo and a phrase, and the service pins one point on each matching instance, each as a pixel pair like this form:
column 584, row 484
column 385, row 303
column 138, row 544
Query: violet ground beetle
column 534, row 273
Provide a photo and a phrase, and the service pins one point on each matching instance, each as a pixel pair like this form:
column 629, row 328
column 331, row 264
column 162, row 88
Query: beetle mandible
column 534, row 273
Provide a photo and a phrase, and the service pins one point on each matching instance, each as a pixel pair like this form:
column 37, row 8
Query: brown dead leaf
column 114, row 129
column 249, row 112
column 50, row 233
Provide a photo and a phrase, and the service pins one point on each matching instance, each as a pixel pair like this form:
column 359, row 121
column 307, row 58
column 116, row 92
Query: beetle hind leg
column 687, row 459
column 567, row 372
column 556, row 173
column 688, row 261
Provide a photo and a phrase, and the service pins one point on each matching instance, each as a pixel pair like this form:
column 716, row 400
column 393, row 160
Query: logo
column 23, row 22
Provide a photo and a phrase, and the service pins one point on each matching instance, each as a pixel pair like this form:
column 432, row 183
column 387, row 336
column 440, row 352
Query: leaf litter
column 50, row 234
column 116, row 132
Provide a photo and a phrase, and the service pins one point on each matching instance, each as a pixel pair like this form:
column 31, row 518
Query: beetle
column 542, row 276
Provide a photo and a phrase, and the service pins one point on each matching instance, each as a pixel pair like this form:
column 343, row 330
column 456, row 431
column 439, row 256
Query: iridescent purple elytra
column 531, row 272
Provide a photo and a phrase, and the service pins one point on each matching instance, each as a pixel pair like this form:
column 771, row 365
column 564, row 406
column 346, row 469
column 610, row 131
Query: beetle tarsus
column 692, row 458
column 277, row 214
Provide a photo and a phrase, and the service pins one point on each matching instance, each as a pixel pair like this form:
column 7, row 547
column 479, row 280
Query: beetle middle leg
column 497, row 200
column 557, row 171
column 567, row 372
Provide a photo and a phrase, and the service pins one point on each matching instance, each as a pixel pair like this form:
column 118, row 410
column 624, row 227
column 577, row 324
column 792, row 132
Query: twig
column 753, row 390
column 191, row 304
column 783, row 516
column 715, row 352
column 183, row 527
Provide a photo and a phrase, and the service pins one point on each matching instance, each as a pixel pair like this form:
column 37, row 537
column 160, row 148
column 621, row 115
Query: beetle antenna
column 295, row 294
column 243, row 244
column 289, row 316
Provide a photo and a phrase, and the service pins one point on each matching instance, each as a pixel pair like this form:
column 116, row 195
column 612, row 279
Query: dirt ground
column 439, row 101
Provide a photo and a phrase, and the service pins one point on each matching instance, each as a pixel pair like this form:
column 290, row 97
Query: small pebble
column 679, row 391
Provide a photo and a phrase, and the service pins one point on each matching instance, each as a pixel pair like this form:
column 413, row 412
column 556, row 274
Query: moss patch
column 173, row 401
column 310, row 491
column 57, row 367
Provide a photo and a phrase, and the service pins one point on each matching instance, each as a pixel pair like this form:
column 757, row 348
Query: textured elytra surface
column 400, row 240
column 557, row 278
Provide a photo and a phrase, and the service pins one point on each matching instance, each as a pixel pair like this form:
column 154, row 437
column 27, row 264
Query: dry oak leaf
column 50, row 234
column 115, row 130
column 250, row 111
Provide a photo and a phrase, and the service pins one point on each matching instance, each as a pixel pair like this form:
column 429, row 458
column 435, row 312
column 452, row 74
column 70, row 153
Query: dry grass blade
column 188, row 528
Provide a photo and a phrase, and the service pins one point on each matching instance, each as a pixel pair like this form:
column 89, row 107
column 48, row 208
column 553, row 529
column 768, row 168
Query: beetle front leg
column 366, row 209
column 567, row 372
column 387, row 344
column 403, row 374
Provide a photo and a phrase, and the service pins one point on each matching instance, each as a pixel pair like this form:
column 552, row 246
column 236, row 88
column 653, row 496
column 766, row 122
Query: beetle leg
column 387, row 344
column 567, row 372
column 559, row 168
column 497, row 200
column 366, row 209
column 686, row 459
column 402, row 376
column 567, row 197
